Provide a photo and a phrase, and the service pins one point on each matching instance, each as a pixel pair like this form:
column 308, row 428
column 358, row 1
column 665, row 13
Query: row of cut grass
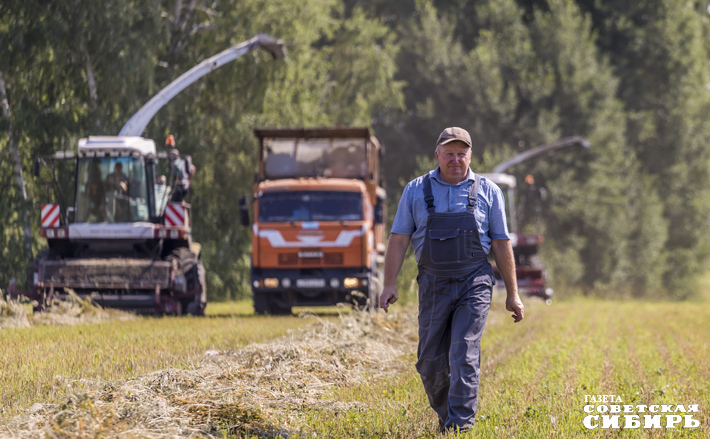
column 44, row 363
column 536, row 374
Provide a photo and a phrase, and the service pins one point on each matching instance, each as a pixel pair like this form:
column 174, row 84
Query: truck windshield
column 342, row 158
column 310, row 206
column 111, row 189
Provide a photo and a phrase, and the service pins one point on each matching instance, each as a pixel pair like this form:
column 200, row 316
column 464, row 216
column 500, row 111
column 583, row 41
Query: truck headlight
column 350, row 282
column 271, row 282
column 334, row 283
column 286, row 282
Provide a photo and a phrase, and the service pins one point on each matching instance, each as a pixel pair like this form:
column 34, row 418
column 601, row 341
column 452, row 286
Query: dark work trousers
column 452, row 315
column 455, row 286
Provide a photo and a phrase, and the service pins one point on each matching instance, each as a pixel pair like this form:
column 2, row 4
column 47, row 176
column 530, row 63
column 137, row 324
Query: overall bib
column 455, row 286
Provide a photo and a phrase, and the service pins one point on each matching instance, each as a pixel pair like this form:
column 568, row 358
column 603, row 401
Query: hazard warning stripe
column 50, row 215
column 175, row 214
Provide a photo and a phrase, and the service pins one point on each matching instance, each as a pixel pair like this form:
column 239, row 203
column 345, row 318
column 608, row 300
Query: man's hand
column 505, row 261
column 514, row 305
column 389, row 295
column 396, row 249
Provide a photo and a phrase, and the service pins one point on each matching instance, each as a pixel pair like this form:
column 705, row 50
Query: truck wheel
column 277, row 309
column 261, row 303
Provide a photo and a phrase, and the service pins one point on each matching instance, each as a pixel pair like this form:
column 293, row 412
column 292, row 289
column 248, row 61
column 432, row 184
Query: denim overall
column 455, row 286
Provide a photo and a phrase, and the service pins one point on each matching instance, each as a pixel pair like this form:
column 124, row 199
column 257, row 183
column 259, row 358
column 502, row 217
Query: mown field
column 352, row 376
column 42, row 362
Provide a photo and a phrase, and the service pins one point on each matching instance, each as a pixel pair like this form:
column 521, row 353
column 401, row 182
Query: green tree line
column 629, row 215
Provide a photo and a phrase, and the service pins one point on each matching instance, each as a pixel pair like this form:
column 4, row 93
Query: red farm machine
column 530, row 272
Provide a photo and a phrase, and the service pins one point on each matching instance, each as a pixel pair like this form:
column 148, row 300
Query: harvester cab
column 117, row 238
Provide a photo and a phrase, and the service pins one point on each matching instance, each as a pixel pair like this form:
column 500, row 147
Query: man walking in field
column 453, row 218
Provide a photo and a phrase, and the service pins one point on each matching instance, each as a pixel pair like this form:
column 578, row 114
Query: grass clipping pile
column 258, row 390
column 72, row 311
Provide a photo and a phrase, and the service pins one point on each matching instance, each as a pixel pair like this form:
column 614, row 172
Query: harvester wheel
column 42, row 304
column 193, row 309
column 194, row 272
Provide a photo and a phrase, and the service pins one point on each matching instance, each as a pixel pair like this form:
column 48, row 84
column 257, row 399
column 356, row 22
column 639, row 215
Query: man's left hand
column 514, row 305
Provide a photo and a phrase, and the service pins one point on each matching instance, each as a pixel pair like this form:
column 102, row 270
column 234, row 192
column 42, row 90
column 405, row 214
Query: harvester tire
column 193, row 270
column 42, row 255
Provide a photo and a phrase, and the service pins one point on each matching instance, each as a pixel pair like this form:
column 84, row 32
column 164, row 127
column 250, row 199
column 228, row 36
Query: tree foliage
column 631, row 212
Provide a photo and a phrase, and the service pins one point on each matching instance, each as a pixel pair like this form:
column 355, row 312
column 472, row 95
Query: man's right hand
column 389, row 295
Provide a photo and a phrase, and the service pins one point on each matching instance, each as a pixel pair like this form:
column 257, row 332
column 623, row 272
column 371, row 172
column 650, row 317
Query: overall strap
column 428, row 195
column 473, row 191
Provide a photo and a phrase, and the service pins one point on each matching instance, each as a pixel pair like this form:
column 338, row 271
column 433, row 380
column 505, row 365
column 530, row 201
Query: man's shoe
column 457, row 429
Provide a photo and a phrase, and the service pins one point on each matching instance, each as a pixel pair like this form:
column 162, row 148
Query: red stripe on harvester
column 52, row 211
column 174, row 215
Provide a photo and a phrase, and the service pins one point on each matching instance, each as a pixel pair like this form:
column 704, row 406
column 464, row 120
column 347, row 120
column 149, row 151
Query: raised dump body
column 318, row 219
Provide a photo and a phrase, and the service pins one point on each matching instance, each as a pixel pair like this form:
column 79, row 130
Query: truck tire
column 268, row 304
column 261, row 304
column 276, row 308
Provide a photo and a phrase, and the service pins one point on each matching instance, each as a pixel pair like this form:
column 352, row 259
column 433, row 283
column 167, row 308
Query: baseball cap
column 454, row 133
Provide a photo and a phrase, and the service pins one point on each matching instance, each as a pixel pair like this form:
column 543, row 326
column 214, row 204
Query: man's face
column 454, row 159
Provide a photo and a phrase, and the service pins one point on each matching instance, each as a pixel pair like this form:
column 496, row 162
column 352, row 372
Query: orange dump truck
column 318, row 235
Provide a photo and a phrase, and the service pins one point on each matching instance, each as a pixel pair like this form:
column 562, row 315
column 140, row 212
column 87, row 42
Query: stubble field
column 353, row 375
